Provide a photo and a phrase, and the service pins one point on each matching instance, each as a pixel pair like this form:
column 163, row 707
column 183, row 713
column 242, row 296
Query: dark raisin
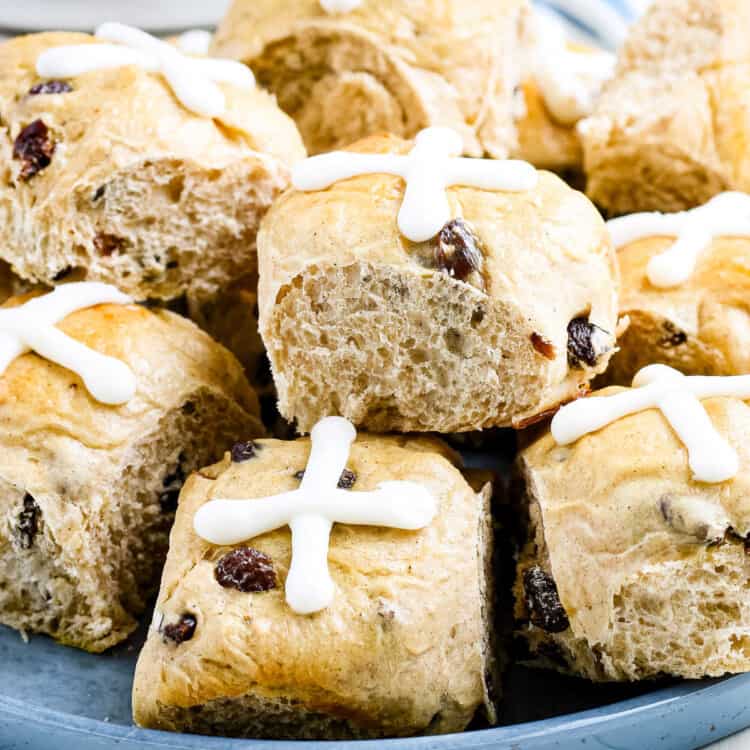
column 170, row 495
column 28, row 522
column 580, row 343
column 546, row 610
column 346, row 480
column 62, row 273
column 188, row 408
column 108, row 244
column 51, row 87
column 99, row 194
column 34, row 147
column 244, row 451
column 458, row 250
column 246, row 569
column 182, row 630
column 545, row 347
column 673, row 336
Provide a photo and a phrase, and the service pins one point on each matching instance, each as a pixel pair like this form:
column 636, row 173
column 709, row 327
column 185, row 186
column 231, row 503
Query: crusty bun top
column 45, row 410
column 621, row 500
column 113, row 116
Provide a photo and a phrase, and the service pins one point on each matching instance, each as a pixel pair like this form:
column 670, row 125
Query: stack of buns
column 169, row 254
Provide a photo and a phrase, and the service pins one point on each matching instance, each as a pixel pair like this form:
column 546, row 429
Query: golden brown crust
column 543, row 141
column 91, row 477
column 547, row 260
column 129, row 170
column 701, row 327
column 399, row 651
column 648, row 563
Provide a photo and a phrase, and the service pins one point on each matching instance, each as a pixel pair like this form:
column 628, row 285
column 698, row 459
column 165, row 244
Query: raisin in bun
column 110, row 177
column 401, row 649
column 507, row 312
column 393, row 66
column 700, row 327
column 634, row 569
column 669, row 131
column 89, row 490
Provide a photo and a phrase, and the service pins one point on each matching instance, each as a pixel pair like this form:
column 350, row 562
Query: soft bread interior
column 95, row 558
column 154, row 229
column 394, row 350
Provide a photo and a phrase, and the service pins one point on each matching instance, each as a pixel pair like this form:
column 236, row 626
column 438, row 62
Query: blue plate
column 61, row 698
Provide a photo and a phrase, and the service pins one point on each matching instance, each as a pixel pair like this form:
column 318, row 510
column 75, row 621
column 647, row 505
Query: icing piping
column 430, row 167
column 339, row 6
column 725, row 215
column 31, row 327
column 193, row 80
column 311, row 511
column 569, row 81
column 195, row 42
column 711, row 458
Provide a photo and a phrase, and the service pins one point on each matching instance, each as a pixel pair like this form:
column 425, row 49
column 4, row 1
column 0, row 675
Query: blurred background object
column 602, row 21
column 153, row 15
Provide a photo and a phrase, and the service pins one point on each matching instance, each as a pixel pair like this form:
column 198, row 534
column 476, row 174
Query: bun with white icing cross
column 105, row 407
column 134, row 164
column 348, row 69
column 406, row 288
column 685, row 289
column 635, row 564
column 322, row 588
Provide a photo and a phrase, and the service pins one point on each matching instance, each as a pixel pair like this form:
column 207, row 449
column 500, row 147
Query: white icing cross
column 339, row 6
column 31, row 327
column 429, row 168
column 711, row 458
column 195, row 42
column 311, row 511
column 192, row 79
column 569, row 81
column 726, row 215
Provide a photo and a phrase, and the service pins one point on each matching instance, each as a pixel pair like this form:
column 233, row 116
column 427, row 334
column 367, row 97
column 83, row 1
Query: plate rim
column 618, row 712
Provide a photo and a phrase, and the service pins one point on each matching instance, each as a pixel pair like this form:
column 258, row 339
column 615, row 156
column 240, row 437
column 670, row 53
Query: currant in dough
column 89, row 490
column 110, row 178
column 508, row 311
column 402, row 648
column 700, row 327
column 631, row 568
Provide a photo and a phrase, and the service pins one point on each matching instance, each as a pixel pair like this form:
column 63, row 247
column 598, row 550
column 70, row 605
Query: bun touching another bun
column 510, row 310
column 669, row 131
column 685, row 289
column 701, row 327
column 110, row 178
column 394, row 66
column 402, row 647
column 632, row 569
column 88, row 490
